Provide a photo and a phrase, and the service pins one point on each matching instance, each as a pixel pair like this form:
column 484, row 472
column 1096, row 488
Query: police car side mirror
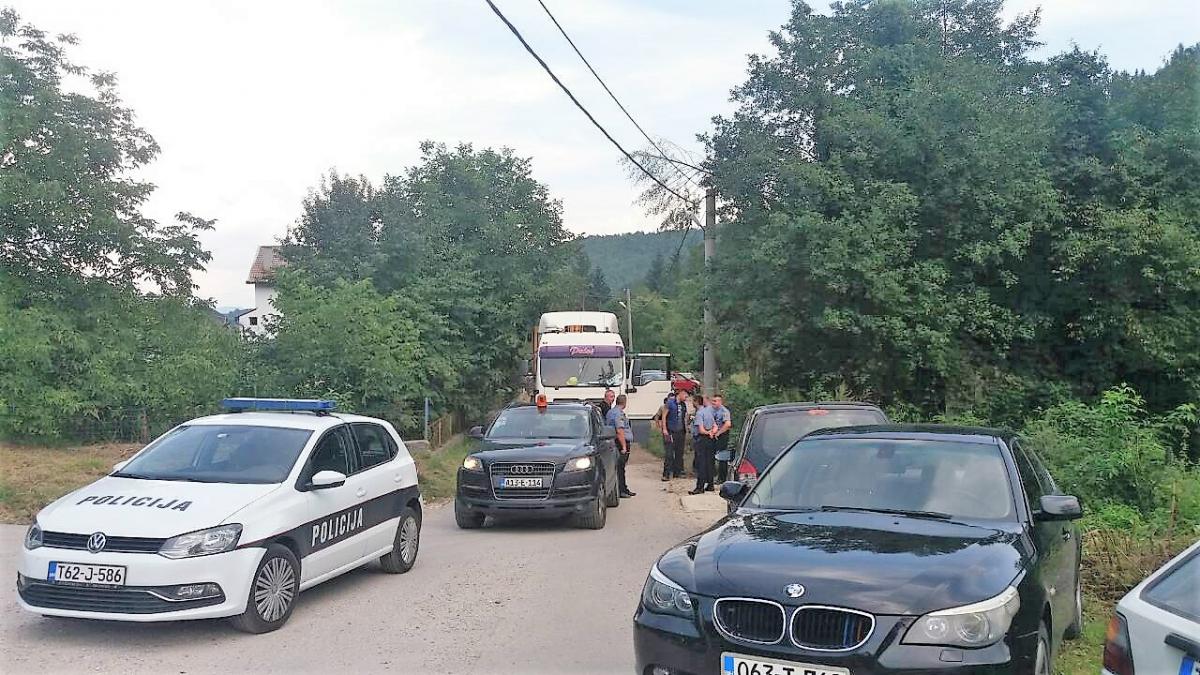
column 608, row 433
column 120, row 465
column 324, row 480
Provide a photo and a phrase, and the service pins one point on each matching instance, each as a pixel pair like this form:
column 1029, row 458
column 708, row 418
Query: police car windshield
column 220, row 454
column 531, row 423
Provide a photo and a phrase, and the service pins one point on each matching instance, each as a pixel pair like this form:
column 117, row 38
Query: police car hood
column 132, row 507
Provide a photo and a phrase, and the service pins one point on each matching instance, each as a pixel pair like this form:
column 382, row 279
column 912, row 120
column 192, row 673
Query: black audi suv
column 862, row 550
column 551, row 461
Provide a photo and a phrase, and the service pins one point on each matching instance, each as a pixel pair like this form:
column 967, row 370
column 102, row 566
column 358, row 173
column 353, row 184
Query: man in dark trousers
column 721, row 451
column 707, row 423
column 674, row 428
column 617, row 418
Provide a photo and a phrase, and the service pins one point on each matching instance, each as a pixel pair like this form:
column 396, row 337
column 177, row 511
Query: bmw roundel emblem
column 96, row 542
column 794, row 590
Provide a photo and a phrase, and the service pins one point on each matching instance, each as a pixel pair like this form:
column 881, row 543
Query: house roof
column 266, row 261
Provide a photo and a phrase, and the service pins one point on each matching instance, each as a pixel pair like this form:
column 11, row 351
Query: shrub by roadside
column 33, row 476
column 437, row 469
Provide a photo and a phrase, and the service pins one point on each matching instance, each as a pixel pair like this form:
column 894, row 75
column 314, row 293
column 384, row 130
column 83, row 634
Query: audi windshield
column 219, row 454
column 531, row 423
column 934, row 478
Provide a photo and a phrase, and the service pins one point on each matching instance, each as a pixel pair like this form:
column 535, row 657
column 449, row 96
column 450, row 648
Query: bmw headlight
column 33, row 537
column 204, row 542
column 472, row 463
column 579, row 464
column 663, row 596
column 977, row 625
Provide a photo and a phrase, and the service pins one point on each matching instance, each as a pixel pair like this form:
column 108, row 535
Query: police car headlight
column 579, row 464
column 203, row 542
column 33, row 537
column 663, row 596
column 977, row 625
column 472, row 464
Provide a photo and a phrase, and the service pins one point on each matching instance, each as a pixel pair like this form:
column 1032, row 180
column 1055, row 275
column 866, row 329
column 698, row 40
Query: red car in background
column 685, row 381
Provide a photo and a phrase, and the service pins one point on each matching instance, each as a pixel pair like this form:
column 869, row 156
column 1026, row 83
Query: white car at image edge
column 1156, row 628
column 230, row 515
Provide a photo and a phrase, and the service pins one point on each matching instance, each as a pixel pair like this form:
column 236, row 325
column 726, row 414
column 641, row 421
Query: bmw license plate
column 737, row 664
column 79, row 573
column 1189, row 666
column 523, row 482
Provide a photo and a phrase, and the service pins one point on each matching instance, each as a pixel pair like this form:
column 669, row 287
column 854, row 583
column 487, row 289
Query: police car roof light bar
column 318, row 406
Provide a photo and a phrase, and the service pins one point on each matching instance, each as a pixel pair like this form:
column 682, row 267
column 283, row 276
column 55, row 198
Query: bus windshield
column 581, row 372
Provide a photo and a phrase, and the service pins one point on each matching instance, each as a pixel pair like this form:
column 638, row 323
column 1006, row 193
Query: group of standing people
column 709, row 423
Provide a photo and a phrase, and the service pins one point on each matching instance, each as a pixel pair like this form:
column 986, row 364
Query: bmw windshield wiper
column 938, row 515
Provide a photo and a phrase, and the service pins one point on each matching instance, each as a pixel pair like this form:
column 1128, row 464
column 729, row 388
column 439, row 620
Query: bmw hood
column 525, row 450
column 875, row 563
column 131, row 507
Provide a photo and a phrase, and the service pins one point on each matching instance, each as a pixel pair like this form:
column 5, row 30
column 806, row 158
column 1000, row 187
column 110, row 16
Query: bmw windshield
column 531, row 423
column 219, row 454
column 943, row 479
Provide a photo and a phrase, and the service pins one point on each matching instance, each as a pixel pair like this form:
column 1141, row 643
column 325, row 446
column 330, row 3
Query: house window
column 254, row 321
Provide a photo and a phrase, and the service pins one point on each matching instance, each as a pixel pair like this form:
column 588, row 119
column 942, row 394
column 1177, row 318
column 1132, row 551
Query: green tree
column 598, row 292
column 68, row 208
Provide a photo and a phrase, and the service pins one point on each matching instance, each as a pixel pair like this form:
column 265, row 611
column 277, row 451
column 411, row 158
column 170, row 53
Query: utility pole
column 629, row 310
column 710, row 248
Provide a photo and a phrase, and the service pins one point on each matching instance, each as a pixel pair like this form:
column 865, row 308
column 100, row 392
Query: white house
column 266, row 261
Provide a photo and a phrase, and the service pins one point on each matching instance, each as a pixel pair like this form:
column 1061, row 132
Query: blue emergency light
column 279, row 404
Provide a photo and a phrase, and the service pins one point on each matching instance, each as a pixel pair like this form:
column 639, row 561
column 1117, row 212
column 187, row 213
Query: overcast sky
column 252, row 102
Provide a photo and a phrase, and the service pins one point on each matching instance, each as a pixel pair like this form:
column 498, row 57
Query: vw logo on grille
column 794, row 590
column 523, row 469
column 96, row 542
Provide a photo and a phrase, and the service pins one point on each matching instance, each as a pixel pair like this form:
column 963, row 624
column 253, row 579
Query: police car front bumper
column 152, row 585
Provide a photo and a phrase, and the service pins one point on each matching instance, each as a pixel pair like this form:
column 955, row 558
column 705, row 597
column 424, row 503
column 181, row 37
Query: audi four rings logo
column 794, row 590
column 523, row 469
column 96, row 542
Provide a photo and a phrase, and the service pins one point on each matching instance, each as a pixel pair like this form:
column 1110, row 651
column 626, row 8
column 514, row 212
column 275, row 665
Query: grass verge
column 437, row 470
column 33, row 476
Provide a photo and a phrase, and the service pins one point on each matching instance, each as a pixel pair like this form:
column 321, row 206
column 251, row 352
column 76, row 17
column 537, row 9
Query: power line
column 579, row 105
column 662, row 153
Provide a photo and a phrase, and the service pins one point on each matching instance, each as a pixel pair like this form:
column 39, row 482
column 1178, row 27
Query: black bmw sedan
column 862, row 550
column 556, row 460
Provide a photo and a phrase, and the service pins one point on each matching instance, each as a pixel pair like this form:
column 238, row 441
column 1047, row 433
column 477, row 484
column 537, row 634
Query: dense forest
column 629, row 259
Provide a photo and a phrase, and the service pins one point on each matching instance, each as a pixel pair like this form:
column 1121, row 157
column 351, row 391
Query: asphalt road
column 521, row 598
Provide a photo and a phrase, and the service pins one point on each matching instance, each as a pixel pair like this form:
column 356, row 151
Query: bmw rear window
column 1178, row 590
column 772, row 432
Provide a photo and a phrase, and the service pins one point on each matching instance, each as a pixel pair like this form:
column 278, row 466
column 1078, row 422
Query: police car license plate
column 78, row 573
column 737, row 664
column 523, row 482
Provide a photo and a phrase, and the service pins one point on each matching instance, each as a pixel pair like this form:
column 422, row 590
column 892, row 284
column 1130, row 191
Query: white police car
column 228, row 516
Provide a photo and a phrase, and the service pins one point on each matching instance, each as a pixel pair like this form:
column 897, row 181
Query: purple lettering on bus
column 581, row 351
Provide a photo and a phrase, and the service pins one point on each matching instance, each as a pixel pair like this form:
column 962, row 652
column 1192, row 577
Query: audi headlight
column 204, row 542
column 977, row 625
column 472, row 463
column 663, row 596
column 579, row 464
column 33, row 537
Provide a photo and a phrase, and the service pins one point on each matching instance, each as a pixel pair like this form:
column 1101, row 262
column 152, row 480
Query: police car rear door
column 384, row 477
column 336, row 514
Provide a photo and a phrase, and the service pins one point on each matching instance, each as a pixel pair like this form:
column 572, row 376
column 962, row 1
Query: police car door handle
column 360, row 492
column 398, row 477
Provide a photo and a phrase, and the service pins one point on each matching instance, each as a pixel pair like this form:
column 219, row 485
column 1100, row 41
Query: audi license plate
column 737, row 664
column 523, row 482
column 78, row 573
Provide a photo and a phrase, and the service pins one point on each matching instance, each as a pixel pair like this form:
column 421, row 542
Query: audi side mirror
column 733, row 490
column 1058, row 507
column 475, row 432
column 323, row 480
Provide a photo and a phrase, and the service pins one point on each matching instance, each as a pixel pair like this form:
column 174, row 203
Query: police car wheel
column 404, row 550
column 272, row 592
column 465, row 519
column 595, row 517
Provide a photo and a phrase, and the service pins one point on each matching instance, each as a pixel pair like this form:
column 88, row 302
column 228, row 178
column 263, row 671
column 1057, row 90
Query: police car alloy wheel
column 273, row 592
column 408, row 539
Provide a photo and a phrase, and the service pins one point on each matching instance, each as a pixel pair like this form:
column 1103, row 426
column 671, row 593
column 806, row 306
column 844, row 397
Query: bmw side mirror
column 733, row 490
column 323, row 480
column 475, row 432
column 1058, row 507
column 120, row 465
column 608, row 433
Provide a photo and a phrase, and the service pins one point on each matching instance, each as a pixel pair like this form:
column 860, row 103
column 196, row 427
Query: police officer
column 721, row 451
column 617, row 418
column 674, row 429
column 607, row 404
column 706, row 422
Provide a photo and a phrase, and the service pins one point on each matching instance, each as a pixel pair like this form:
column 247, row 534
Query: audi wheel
column 272, row 592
